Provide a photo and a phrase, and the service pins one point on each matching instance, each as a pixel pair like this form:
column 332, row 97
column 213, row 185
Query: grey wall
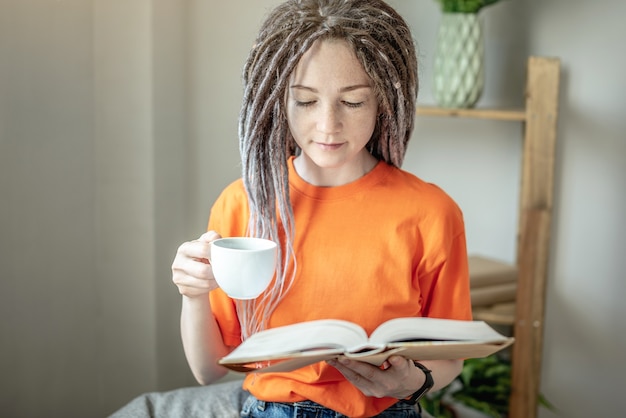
column 92, row 204
column 118, row 130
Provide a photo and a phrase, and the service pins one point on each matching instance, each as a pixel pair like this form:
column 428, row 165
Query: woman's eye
column 353, row 104
column 304, row 104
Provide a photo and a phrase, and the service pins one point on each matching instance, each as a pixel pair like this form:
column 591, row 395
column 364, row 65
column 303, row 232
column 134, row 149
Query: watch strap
column 428, row 383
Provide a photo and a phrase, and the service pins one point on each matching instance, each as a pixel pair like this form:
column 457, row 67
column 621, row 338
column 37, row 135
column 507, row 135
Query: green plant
column 484, row 385
column 434, row 404
column 464, row 6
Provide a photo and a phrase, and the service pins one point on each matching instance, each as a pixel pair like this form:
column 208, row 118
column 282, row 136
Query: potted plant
column 459, row 57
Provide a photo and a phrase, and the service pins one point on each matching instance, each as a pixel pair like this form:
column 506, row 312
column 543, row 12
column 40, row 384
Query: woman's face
column 331, row 111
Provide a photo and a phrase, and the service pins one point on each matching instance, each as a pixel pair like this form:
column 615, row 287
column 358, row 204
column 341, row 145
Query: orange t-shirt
column 384, row 246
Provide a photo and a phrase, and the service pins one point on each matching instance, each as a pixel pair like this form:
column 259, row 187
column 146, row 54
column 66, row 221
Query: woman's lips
column 329, row 147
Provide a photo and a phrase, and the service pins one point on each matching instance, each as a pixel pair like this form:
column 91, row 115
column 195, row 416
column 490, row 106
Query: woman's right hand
column 202, row 340
column 191, row 270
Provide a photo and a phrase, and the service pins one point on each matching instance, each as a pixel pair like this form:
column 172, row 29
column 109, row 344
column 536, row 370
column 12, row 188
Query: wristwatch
column 428, row 383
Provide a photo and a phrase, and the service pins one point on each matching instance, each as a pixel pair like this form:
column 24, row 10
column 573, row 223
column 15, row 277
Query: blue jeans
column 254, row 408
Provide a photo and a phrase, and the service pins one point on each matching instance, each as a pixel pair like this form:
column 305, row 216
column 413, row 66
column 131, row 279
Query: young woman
column 328, row 109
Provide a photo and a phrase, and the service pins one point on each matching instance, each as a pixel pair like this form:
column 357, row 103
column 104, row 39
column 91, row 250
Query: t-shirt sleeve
column 229, row 218
column 229, row 214
column 444, row 272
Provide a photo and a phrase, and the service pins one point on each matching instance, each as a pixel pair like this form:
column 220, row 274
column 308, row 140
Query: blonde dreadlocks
column 382, row 43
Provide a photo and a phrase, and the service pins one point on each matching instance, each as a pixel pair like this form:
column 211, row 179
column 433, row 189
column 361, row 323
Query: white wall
column 118, row 130
column 586, row 331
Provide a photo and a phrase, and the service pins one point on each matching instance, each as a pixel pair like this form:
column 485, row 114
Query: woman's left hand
column 397, row 377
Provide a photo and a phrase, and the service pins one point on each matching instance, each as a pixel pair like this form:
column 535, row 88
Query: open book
column 293, row 346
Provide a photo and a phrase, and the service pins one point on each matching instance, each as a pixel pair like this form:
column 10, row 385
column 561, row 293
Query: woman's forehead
column 330, row 61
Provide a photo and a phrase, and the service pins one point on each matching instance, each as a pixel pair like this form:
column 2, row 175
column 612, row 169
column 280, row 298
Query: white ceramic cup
column 243, row 267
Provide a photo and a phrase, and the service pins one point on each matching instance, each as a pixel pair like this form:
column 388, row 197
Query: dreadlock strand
column 382, row 42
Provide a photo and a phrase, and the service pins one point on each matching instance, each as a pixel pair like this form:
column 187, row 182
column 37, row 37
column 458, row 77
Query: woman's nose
column 329, row 120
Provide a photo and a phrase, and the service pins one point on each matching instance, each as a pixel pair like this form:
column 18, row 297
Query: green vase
column 458, row 73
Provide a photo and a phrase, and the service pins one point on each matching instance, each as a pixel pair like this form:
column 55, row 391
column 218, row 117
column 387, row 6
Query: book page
column 303, row 337
column 434, row 329
column 449, row 350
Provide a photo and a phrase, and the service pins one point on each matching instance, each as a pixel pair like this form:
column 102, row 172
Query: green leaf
column 546, row 403
column 434, row 405
column 464, row 6
column 485, row 385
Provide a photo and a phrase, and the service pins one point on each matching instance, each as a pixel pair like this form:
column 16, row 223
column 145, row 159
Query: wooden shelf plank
column 500, row 314
column 493, row 114
column 542, row 91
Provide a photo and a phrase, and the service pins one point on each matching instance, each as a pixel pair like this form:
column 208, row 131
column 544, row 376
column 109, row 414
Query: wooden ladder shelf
column 535, row 214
